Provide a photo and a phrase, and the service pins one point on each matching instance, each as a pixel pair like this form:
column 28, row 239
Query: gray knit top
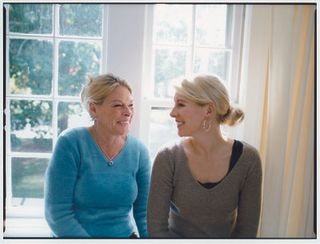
column 180, row 207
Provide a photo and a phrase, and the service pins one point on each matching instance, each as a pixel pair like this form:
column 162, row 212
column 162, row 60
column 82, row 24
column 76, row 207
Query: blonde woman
column 98, row 174
column 208, row 186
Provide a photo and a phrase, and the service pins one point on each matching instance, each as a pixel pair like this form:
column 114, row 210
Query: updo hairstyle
column 204, row 89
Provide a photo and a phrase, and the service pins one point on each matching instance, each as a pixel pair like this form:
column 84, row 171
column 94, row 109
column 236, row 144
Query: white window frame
column 38, row 211
column 127, row 55
column 148, row 101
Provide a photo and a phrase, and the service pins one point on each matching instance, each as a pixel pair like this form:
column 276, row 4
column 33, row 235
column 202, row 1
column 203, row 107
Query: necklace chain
column 110, row 159
column 105, row 154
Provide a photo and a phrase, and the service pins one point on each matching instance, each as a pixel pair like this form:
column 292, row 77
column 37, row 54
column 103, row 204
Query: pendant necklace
column 109, row 159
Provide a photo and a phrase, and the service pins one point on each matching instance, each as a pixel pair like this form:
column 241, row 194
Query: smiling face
column 188, row 116
column 116, row 111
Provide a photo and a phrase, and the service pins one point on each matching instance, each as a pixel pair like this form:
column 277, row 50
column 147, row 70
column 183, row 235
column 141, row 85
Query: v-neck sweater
column 180, row 207
column 235, row 154
column 85, row 196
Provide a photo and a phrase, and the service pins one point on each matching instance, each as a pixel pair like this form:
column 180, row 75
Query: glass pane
column 31, row 126
column 30, row 70
column 211, row 23
column 30, row 18
column 28, row 177
column 81, row 19
column 212, row 62
column 163, row 130
column 72, row 115
column 77, row 60
column 170, row 65
column 173, row 23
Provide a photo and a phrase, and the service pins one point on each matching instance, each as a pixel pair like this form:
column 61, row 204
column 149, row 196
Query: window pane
column 169, row 65
column 72, row 115
column 30, row 18
column 81, row 19
column 28, row 177
column 77, row 60
column 173, row 23
column 213, row 62
column 30, row 70
column 30, row 123
column 211, row 23
column 163, row 130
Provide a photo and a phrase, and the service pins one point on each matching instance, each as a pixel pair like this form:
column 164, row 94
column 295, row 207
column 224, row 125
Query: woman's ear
column 92, row 109
column 210, row 109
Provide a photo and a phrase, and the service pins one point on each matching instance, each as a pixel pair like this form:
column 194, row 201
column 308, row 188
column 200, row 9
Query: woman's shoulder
column 76, row 131
column 249, row 150
column 135, row 142
column 74, row 134
column 171, row 154
column 172, row 149
column 250, row 155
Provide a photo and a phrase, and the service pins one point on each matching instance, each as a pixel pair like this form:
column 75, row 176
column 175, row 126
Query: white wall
column 125, row 49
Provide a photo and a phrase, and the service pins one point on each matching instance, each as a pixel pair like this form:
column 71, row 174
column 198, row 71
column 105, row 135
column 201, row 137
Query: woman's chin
column 181, row 134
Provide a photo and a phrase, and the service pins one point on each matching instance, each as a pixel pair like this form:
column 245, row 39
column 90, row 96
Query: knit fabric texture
column 87, row 197
column 180, row 207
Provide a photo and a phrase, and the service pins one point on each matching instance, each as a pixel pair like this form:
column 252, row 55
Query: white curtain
column 279, row 55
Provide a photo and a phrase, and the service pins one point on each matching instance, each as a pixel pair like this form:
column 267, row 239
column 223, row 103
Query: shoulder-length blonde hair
column 99, row 87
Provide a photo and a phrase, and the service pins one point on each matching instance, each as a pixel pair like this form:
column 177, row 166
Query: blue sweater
column 86, row 197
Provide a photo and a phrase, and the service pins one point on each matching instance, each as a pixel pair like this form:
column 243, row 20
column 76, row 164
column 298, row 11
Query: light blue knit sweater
column 86, row 197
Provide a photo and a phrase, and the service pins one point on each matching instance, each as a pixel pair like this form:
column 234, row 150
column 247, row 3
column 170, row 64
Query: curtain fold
column 286, row 139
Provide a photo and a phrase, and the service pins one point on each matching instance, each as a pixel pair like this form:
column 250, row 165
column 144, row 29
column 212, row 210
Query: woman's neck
column 208, row 142
column 108, row 143
column 105, row 137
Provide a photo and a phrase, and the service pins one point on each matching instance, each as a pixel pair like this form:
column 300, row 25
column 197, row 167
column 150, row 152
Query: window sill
column 26, row 227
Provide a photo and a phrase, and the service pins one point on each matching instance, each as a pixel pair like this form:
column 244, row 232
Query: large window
column 188, row 39
column 52, row 48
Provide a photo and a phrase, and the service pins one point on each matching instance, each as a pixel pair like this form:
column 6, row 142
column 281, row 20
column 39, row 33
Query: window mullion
column 193, row 43
column 105, row 23
column 7, row 122
column 55, row 74
column 29, row 155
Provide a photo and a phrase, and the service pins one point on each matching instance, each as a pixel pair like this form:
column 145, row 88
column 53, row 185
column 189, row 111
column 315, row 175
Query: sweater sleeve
column 143, row 183
column 60, row 180
column 161, row 189
column 250, row 200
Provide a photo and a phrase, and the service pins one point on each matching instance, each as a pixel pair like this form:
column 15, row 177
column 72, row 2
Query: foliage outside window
column 52, row 48
column 187, row 39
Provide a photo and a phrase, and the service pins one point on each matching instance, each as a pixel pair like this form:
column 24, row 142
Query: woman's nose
column 173, row 112
column 128, row 111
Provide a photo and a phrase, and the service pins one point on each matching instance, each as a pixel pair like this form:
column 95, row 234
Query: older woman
column 208, row 186
column 97, row 175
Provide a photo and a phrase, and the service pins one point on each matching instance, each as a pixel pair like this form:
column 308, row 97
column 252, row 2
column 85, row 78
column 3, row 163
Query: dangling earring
column 206, row 125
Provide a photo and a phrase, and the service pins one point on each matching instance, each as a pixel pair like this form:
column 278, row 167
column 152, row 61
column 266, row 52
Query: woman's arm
column 250, row 201
column 143, row 183
column 60, row 180
column 161, row 189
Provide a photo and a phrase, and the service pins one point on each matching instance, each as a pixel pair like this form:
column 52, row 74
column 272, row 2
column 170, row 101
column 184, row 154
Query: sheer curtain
column 279, row 81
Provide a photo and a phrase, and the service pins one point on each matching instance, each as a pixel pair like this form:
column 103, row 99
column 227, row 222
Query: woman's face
column 116, row 111
column 188, row 116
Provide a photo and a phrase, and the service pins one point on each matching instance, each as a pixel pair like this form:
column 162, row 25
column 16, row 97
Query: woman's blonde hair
column 99, row 87
column 204, row 89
